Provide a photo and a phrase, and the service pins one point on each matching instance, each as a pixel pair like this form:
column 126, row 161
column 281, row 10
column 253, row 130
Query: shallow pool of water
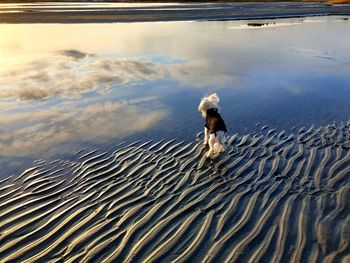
column 69, row 87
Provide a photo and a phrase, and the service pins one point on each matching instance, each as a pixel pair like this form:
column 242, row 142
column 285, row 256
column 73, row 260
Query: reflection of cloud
column 67, row 76
column 29, row 127
column 74, row 53
column 73, row 73
column 199, row 73
column 99, row 122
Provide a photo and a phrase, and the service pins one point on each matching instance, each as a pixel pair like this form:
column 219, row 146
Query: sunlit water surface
column 69, row 87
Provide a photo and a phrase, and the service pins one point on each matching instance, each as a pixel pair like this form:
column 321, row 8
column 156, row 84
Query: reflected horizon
column 67, row 87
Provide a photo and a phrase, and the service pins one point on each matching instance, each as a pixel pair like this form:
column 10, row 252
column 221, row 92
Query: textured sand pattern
column 273, row 197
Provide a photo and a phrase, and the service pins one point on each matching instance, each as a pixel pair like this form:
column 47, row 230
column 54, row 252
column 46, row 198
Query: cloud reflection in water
column 48, row 104
column 101, row 121
column 72, row 73
column 78, row 82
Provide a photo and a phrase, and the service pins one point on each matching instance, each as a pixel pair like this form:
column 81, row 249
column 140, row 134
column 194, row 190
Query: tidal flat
column 96, row 164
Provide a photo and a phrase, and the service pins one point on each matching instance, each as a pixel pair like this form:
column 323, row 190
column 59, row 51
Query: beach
column 101, row 142
column 271, row 198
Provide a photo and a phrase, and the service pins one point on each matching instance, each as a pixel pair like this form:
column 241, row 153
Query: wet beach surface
column 101, row 151
column 272, row 197
column 124, row 12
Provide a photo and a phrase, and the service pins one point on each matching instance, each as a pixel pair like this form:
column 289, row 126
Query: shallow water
column 68, row 87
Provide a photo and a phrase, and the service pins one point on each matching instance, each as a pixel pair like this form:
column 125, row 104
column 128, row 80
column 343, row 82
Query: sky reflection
column 64, row 87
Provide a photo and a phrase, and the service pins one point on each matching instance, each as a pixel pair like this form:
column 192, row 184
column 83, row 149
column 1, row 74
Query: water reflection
column 67, row 86
column 71, row 74
column 39, row 130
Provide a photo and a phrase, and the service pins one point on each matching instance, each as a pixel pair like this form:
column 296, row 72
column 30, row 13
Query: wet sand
column 41, row 13
column 273, row 197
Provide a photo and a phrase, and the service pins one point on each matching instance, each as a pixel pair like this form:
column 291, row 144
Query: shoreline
column 104, row 21
column 166, row 13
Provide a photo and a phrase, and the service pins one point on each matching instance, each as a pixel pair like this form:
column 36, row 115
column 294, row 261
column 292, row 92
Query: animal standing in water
column 214, row 129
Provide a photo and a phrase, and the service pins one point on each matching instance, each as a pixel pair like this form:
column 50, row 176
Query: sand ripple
column 273, row 197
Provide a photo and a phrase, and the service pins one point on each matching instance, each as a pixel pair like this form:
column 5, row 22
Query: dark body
column 214, row 121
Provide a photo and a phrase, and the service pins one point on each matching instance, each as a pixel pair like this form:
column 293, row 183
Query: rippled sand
column 273, row 197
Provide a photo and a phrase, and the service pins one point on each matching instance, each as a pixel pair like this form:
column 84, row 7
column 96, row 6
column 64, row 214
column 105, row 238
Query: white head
column 209, row 102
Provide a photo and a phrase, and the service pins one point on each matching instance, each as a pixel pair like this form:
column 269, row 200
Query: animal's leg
column 206, row 136
column 212, row 140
